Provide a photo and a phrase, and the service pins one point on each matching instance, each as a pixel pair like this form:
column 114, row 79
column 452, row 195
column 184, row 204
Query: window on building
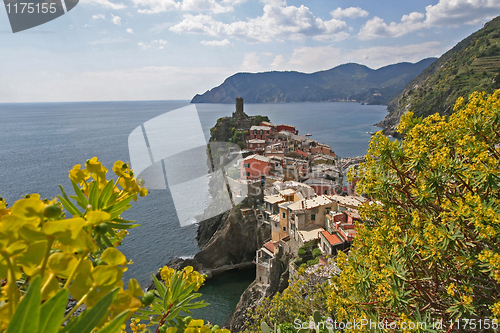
column 284, row 228
column 313, row 217
column 284, row 215
column 326, row 191
column 246, row 165
column 247, row 174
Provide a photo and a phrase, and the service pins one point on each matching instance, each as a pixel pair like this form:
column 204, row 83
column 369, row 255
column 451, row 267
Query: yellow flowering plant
column 48, row 255
column 430, row 248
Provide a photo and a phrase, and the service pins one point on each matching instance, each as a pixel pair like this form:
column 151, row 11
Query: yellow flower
column 78, row 175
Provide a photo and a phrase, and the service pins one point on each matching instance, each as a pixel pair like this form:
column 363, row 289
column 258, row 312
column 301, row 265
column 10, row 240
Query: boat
column 308, row 134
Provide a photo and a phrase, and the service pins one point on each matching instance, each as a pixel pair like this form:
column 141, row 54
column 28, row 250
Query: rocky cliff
column 226, row 241
column 256, row 292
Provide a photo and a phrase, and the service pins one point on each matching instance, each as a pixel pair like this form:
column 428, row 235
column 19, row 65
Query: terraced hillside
column 472, row 65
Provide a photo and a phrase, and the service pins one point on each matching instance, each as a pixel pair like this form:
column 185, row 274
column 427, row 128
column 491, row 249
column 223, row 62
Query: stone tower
column 239, row 114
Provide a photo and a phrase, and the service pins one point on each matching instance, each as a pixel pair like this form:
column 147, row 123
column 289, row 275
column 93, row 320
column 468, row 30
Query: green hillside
column 352, row 82
column 472, row 65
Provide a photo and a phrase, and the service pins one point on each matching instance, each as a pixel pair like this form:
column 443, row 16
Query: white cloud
column 376, row 27
column 105, row 4
column 267, row 54
column 278, row 61
column 160, row 41
column 445, row 13
column 143, row 46
column 351, row 12
column 130, row 31
column 158, row 6
column 98, row 16
column 116, row 19
column 275, row 24
column 157, row 44
column 224, row 42
column 234, row 2
column 251, row 62
column 456, row 12
column 311, row 59
column 204, row 5
column 108, row 40
column 274, row 2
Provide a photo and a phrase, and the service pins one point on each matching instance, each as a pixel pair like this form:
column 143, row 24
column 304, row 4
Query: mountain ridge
column 349, row 81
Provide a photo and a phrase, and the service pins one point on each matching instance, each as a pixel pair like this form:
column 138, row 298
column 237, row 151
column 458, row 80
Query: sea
column 41, row 142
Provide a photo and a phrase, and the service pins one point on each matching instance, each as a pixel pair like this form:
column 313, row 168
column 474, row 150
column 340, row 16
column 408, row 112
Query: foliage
column 316, row 253
column 45, row 256
column 472, row 65
column 304, row 295
column 430, row 248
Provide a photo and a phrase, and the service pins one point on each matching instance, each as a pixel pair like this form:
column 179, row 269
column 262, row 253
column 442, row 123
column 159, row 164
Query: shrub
column 430, row 248
column 313, row 262
column 45, row 256
column 316, row 253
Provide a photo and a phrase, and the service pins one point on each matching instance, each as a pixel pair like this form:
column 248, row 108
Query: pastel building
column 307, row 218
column 256, row 145
column 255, row 167
column 261, row 132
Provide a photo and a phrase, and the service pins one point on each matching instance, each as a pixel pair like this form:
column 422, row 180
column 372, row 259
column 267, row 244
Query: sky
column 108, row 50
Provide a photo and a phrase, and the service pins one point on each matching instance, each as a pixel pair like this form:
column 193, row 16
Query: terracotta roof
column 332, row 239
column 270, row 246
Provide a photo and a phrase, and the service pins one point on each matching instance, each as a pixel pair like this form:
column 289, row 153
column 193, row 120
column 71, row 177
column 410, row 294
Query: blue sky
column 173, row 49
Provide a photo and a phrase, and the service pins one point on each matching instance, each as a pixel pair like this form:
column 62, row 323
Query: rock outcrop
column 227, row 241
column 256, row 292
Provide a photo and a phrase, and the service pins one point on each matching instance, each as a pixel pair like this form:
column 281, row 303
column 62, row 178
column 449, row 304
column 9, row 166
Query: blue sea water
column 40, row 143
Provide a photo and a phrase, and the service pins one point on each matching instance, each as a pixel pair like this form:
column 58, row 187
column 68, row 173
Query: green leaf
column 115, row 324
column 82, row 199
column 317, row 317
column 106, row 240
column 52, row 312
column 94, row 195
column 173, row 314
column 105, row 194
column 26, row 317
column 187, row 291
column 89, row 319
column 66, row 202
column 122, row 225
column 160, row 287
column 111, row 200
column 265, row 327
column 120, row 207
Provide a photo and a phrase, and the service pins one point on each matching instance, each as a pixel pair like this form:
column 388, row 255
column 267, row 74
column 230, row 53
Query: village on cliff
column 298, row 185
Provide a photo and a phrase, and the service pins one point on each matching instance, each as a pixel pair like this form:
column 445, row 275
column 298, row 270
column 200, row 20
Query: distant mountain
column 472, row 65
column 345, row 82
